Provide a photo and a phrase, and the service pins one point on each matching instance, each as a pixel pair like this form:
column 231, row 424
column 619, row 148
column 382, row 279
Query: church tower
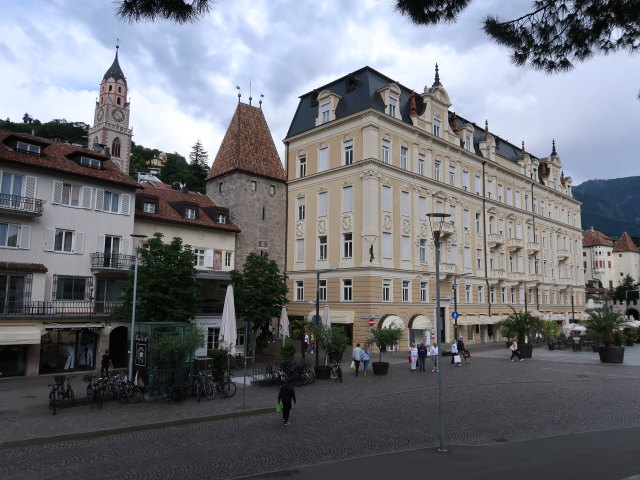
column 111, row 119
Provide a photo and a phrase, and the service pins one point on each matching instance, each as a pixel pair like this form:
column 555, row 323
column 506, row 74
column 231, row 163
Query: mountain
column 610, row 206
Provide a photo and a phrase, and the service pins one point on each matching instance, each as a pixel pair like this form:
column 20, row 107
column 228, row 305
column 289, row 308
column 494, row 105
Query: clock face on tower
column 117, row 115
column 100, row 115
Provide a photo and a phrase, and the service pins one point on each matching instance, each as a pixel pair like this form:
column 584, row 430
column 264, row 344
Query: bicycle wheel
column 53, row 405
column 70, row 396
column 89, row 392
column 311, row 377
column 339, row 379
column 229, row 389
column 334, row 372
column 209, row 390
column 197, row 390
column 134, row 394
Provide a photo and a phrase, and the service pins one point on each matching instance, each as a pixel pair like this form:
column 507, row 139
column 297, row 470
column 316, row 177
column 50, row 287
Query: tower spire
column 436, row 81
column 553, row 148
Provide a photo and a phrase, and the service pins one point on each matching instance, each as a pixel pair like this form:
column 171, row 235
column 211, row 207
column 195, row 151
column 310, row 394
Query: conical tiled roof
column 625, row 244
column 248, row 146
column 115, row 71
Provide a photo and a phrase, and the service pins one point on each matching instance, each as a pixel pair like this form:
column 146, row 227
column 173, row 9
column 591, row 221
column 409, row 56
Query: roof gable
column 625, row 244
column 594, row 238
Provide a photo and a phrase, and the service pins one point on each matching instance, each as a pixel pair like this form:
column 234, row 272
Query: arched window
column 115, row 148
column 110, row 87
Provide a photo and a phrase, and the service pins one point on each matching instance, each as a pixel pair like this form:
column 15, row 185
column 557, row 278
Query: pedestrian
column 286, row 394
column 312, row 343
column 366, row 356
column 514, row 350
column 434, row 357
column 462, row 350
column 413, row 357
column 454, row 352
column 423, row 351
column 306, row 341
column 106, row 363
column 270, row 338
column 357, row 356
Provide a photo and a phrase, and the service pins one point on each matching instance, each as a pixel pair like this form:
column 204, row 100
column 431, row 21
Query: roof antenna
column 260, row 102
column 239, row 94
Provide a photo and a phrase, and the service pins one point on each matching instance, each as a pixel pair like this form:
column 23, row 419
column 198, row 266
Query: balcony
column 498, row 273
column 535, row 278
column 209, row 308
column 516, row 276
column 533, row 248
column 109, row 261
column 446, row 229
column 495, row 240
column 16, row 205
column 57, row 308
column 563, row 254
column 514, row 244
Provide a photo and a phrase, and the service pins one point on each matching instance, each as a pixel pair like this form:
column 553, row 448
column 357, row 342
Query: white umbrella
column 228, row 328
column 284, row 324
column 325, row 317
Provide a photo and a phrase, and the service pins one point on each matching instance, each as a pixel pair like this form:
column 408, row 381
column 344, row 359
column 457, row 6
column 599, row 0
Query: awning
column 336, row 316
column 392, row 321
column 420, row 322
column 73, row 326
column 19, row 335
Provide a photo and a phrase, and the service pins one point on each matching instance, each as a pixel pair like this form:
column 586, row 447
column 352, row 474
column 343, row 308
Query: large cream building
column 367, row 160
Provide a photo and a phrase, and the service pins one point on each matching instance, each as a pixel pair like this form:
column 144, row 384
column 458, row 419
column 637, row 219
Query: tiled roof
column 625, row 244
column 248, row 146
column 56, row 156
column 22, row 267
column 115, row 71
column 593, row 238
column 170, row 205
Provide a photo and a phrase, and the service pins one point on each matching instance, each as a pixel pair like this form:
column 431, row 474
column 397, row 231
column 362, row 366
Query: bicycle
column 61, row 392
column 95, row 391
column 203, row 385
column 336, row 372
column 225, row 386
column 126, row 391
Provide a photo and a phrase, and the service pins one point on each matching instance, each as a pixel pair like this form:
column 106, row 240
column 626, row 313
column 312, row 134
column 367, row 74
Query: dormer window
column 90, row 162
column 190, row 213
column 467, row 143
column 29, row 148
column 436, row 126
column 324, row 111
column 327, row 104
column 391, row 99
column 393, row 106
column 221, row 218
column 149, row 207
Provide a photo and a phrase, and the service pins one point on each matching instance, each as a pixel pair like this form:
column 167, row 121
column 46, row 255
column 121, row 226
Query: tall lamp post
column 455, row 302
column 439, row 217
column 139, row 238
column 317, row 316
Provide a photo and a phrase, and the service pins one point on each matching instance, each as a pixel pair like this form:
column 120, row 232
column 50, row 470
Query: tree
column 167, row 289
column 384, row 337
column 173, row 348
column 260, row 290
column 26, row 118
column 331, row 339
column 626, row 285
column 603, row 322
column 176, row 170
column 555, row 35
column 180, row 11
column 198, row 166
column 519, row 325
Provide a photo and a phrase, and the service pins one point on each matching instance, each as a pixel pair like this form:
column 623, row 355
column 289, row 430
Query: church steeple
column 111, row 119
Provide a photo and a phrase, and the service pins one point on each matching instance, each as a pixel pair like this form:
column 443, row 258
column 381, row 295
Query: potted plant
column 174, row 348
column 383, row 337
column 629, row 337
column 604, row 323
column 288, row 351
column 333, row 341
column 550, row 330
column 520, row 325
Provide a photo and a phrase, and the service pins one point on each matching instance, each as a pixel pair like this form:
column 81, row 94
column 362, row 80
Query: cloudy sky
column 182, row 78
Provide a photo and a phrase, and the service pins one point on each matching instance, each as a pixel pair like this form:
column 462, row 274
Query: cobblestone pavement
column 489, row 402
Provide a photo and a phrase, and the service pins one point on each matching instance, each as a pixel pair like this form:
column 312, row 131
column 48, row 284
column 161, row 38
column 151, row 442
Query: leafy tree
column 180, row 11
column 167, row 289
column 198, row 166
column 260, row 290
column 519, row 325
column 552, row 37
column 385, row 337
column 26, row 118
column 331, row 339
column 626, row 285
column 173, row 348
column 176, row 170
column 603, row 322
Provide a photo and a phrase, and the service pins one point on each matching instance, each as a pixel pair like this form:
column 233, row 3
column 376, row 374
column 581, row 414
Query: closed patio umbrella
column 228, row 328
column 284, row 324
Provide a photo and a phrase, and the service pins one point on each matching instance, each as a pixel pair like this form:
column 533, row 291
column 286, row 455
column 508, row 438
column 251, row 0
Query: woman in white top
column 454, row 352
column 434, row 357
column 413, row 356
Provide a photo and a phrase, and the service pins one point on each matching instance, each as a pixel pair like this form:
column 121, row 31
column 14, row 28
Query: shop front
column 17, row 342
column 66, row 348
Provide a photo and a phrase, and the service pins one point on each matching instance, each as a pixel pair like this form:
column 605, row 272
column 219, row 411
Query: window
column 347, row 290
column 220, row 187
column 479, row 259
column 439, row 206
column 323, row 159
column 348, row 152
column 467, row 143
column 300, row 250
column 422, row 250
column 404, row 203
column 300, row 208
column 503, row 294
column 199, row 257
column 478, row 223
column 467, row 293
column 322, row 247
column 406, row 291
column 70, row 195
column 90, row 162
column 272, row 189
column 467, row 257
column 476, row 186
column 299, row 290
column 500, row 192
column 465, row 180
column 518, row 199
column 386, row 245
column 453, row 254
column 111, row 202
column 149, row 207
column 190, row 213
column 71, row 288
column 347, row 245
column 228, row 259
column 436, row 126
column 386, row 290
column 436, row 170
column 324, row 111
column 452, row 213
column 489, row 187
column 322, row 294
column 404, row 154
column 253, row 185
column 465, row 219
column 386, row 198
column 386, row 146
column 492, row 295
column 393, row 105
column 347, row 199
column 406, row 253
column 221, row 218
column 452, row 176
column 27, row 147
column 302, row 166
column 424, row 291
column 322, row 204
column 63, row 241
column 480, row 294
column 421, row 164
column 422, row 207
column 9, row 235
column 115, row 147
column 509, row 196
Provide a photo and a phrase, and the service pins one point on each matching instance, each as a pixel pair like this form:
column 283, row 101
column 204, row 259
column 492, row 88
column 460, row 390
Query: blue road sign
column 454, row 315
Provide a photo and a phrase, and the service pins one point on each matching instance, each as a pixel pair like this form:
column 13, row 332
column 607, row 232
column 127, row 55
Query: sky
column 182, row 78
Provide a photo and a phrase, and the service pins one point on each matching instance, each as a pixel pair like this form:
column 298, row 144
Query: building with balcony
column 607, row 261
column 65, row 223
column 367, row 159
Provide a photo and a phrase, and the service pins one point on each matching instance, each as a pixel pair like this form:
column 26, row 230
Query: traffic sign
column 454, row 315
column 316, row 319
column 372, row 321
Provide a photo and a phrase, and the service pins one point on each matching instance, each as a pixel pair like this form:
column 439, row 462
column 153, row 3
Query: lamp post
column 455, row 302
column 317, row 316
column 573, row 312
column 139, row 237
column 436, row 239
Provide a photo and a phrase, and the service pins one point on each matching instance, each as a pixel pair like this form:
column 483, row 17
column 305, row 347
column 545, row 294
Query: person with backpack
column 286, row 394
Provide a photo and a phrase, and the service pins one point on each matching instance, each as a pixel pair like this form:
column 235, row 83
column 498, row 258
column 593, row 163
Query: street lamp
column 439, row 217
column 455, row 302
column 573, row 312
column 139, row 237
column 317, row 317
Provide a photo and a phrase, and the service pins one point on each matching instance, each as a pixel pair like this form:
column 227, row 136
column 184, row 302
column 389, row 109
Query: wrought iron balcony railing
column 18, row 204
column 111, row 261
column 57, row 308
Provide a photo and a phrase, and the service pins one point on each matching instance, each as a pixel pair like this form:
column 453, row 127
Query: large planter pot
column 380, row 368
column 552, row 346
column 323, row 372
column 611, row 354
column 526, row 350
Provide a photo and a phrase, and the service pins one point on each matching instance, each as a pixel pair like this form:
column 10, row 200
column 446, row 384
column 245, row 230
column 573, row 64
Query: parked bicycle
column 124, row 390
column 336, row 371
column 225, row 386
column 203, row 385
column 61, row 393
column 95, row 389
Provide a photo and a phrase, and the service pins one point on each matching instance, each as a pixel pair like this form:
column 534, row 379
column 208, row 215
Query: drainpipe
column 484, row 229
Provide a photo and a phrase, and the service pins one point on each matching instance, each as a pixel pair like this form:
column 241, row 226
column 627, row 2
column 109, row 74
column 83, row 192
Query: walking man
column 286, row 395
column 357, row 356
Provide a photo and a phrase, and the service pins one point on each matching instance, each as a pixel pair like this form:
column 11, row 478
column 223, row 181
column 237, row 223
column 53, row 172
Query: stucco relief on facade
column 299, row 229
column 370, row 175
column 467, row 239
column 479, row 240
column 322, row 226
column 406, row 226
column 424, row 229
column 387, row 222
column 347, row 222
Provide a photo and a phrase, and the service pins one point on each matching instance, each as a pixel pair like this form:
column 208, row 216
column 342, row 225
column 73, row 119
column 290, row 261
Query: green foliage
column 626, row 285
column 519, row 325
column 198, row 166
column 288, row 351
column 219, row 358
column 550, row 329
column 331, row 339
column 58, row 129
column 167, row 289
column 175, row 348
column 179, row 11
column 603, row 322
column 618, row 338
column 384, row 337
column 260, row 290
